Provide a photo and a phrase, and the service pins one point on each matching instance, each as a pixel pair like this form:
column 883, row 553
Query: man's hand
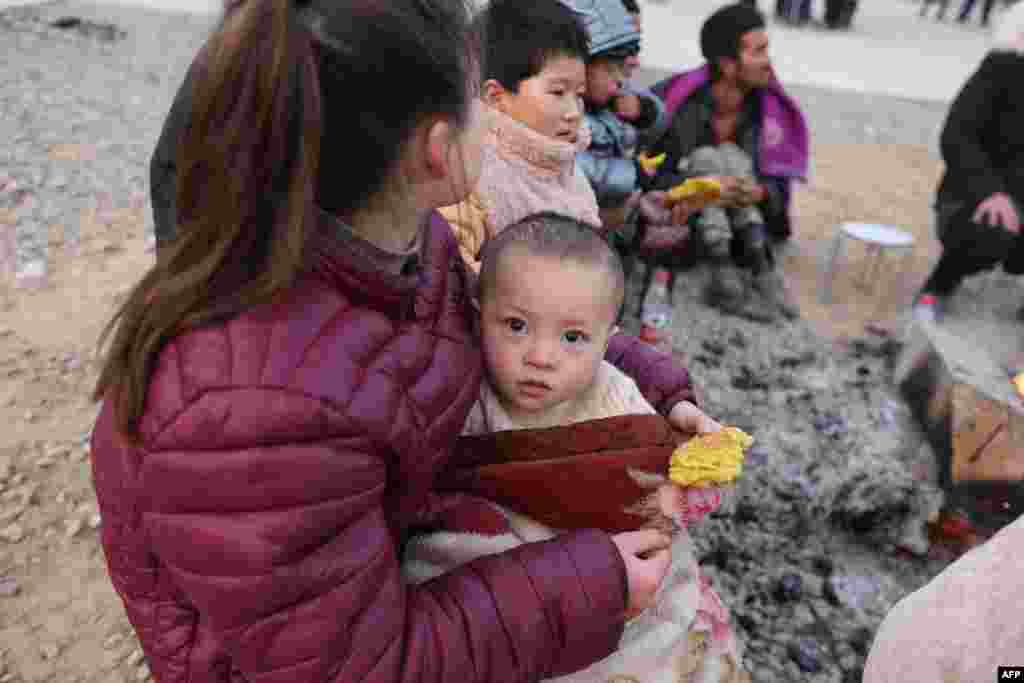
column 740, row 192
column 672, row 213
column 627, row 107
column 998, row 210
column 686, row 417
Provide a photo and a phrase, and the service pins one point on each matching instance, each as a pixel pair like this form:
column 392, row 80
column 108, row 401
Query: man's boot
column 725, row 289
column 769, row 283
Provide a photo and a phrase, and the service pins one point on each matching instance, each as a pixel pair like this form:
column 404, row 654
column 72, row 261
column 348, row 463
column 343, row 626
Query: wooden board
column 988, row 438
column 967, row 405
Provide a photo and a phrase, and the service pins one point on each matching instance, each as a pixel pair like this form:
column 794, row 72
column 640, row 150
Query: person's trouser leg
column 713, row 223
column 986, row 10
column 967, row 248
column 749, row 231
column 715, row 231
column 805, row 10
column 736, row 162
column 1014, row 265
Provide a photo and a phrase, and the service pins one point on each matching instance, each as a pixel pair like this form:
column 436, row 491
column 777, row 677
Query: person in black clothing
column 980, row 199
column 965, row 11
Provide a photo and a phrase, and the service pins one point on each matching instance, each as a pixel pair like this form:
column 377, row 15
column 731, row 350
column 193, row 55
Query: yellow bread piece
column 706, row 188
column 650, row 164
column 710, row 459
column 1019, row 382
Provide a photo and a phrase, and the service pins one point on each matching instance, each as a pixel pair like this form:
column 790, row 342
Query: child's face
column 545, row 325
column 550, row 102
column 604, row 79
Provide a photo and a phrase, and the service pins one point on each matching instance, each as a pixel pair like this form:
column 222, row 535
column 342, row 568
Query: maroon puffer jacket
column 287, row 454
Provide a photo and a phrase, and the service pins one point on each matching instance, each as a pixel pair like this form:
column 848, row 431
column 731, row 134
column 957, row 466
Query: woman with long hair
column 281, row 388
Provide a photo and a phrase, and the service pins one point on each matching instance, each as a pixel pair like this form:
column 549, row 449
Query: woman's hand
column 998, row 210
column 647, row 557
column 686, row 417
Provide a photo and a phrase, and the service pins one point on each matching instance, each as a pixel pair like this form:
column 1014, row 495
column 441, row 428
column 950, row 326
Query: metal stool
column 877, row 238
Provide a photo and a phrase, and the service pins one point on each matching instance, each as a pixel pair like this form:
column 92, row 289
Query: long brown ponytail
column 247, row 170
column 258, row 155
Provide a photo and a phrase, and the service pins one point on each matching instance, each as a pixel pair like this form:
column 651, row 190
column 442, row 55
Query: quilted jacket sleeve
column 663, row 382
column 284, row 548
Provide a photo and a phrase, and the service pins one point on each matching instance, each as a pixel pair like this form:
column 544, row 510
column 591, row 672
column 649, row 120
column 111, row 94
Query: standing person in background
column 980, row 197
column 941, row 14
column 968, row 6
column 285, row 383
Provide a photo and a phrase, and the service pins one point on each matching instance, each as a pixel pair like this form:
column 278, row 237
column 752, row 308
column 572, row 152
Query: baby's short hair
column 556, row 236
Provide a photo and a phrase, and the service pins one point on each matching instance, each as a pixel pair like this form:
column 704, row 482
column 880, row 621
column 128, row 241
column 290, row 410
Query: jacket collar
column 346, row 267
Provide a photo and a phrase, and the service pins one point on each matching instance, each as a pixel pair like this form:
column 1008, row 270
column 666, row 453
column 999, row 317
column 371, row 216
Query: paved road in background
column 888, row 51
column 888, row 80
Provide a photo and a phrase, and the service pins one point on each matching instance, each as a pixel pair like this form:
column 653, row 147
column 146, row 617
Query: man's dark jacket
column 983, row 139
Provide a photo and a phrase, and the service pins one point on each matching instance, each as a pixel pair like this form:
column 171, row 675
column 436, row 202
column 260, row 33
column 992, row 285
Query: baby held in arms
column 560, row 439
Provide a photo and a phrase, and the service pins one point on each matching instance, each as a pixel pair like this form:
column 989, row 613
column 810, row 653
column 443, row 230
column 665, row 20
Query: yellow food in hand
column 710, row 459
column 706, row 188
column 1019, row 382
column 650, row 164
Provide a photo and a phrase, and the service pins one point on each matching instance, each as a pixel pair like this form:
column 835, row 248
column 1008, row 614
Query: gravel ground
column 85, row 94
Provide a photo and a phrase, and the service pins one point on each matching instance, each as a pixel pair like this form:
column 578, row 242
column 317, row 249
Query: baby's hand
column 688, row 418
column 627, row 107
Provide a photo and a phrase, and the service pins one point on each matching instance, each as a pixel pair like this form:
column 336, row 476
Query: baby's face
column 545, row 325
column 550, row 102
column 604, row 80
